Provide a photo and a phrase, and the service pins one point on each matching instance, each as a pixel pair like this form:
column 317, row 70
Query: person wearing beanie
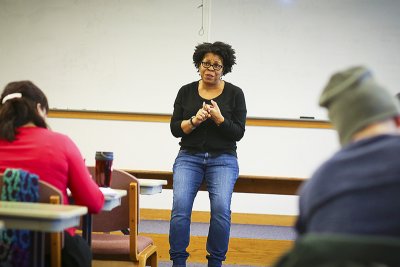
column 357, row 190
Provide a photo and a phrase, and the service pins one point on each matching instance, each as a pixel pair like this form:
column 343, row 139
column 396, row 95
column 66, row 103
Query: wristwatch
column 191, row 123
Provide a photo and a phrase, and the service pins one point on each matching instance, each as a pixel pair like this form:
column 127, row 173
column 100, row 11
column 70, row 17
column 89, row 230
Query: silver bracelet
column 191, row 123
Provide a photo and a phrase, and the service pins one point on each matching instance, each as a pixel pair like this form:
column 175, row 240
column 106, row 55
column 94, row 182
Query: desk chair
column 342, row 250
column 48, row 194
column 130, row 247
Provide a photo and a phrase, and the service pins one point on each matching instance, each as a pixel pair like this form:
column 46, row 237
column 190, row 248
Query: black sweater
column 209, row 137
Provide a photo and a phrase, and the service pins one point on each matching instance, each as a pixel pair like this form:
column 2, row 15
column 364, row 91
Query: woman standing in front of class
column 209, row 116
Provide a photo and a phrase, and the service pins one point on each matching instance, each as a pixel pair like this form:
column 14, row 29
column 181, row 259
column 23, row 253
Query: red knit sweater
column 55, row 158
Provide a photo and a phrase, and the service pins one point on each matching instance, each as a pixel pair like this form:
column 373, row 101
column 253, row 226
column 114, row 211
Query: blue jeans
column 220, row 174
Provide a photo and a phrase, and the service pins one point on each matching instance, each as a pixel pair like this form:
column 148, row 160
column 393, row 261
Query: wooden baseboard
column 242, row 251
column 237, row 218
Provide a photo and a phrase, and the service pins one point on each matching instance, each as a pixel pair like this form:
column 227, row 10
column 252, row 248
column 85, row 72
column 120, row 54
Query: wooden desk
column 245, row 183
column 111, row 202
column 151, row 186
column 39, row 217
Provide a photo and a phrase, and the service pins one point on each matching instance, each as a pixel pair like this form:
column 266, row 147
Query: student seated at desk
column 27, row 143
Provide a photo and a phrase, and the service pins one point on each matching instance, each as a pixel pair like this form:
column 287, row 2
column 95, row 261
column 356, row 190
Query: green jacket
column 338, row 250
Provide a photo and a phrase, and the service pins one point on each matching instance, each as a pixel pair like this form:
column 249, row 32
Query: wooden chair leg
column 142, row 262
column 154, row 260
column 55, row 241
column 55, row 251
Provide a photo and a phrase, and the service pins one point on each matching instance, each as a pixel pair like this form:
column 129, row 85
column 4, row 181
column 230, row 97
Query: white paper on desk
column 108, row 192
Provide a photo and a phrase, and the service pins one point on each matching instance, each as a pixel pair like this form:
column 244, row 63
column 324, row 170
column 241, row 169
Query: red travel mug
column 103, row 168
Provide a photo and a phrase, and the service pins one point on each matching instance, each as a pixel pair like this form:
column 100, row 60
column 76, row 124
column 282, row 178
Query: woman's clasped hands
column 209, row 111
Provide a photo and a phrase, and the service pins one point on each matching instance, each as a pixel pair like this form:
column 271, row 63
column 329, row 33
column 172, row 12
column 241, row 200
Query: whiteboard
column 134, row 55
column 110, row 55
column 288, row 49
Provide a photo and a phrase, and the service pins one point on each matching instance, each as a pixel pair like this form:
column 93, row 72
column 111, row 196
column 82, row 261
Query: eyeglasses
column 215, row 66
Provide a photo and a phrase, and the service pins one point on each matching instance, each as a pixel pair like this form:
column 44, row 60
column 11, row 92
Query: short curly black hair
column 225, row 51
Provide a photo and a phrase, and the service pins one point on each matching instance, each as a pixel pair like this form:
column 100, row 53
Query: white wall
column 272, row 151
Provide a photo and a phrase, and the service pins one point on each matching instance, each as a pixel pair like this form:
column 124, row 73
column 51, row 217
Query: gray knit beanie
column 354, row 100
